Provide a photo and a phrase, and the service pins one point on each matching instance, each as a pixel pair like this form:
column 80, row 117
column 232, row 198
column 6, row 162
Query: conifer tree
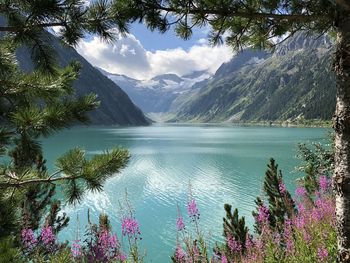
column 234, row 226
column 35, row 105
column 317, row 159
column 280, row 203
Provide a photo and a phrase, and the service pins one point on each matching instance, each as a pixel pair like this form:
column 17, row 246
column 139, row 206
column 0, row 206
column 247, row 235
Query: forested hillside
column 296, row 81
column 115, row 108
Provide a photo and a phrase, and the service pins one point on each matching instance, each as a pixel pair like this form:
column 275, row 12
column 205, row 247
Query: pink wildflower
column 282, row 188
column 316, row 214
column 259, row 244
column 322, row 253
column 323, row 181
column 223, row 258
column 130, row 227
column 277, row 238
column 76, row 249
column 300, row 191
column 300, row 221
column 288, row 236
column 301, row 208
column 113, row 241
column 263, row 214
column 180, row 225
column 107, row 244
column 179, row 253
column 192, row 210
column 47, row 236
column 234, row 245
column 307, row 237
column 28, row 239
column 122, row 257
column 248, row 242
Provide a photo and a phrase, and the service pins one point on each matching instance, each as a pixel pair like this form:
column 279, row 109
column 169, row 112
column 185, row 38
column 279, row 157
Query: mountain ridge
column 115, row 108
column 157, row 94
column 296, row 82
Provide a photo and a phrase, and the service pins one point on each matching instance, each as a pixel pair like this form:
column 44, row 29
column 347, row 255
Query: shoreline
column 286, row 124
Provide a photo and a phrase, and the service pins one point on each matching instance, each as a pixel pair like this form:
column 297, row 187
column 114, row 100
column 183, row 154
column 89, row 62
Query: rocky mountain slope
column 296, row 81
column 115, row 106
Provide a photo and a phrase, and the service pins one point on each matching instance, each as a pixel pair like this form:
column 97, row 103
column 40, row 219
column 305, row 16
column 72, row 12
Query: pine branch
column 193, row 11
column 233, row 13
column 48, row 180
column 14, row 29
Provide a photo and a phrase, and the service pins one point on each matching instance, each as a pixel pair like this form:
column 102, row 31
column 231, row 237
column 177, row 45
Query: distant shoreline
column 300, row 122
column 290, row 124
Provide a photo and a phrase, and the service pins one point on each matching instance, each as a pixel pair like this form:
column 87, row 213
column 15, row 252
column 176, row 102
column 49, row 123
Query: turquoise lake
column 224, row 164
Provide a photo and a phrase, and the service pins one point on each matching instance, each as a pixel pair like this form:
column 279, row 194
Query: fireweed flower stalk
column 100, row 244
column 307, row 235
column 190, row 240
column 131, row 230
column 263, row 215
column 192, row 209
column 282, row 188
column 48, row 238
column 300, row 192
column 28, row 239
column 234, row 248
column 108, row 245
column 103, row 247
column 179, row 255
column 322, row 254
column 324, row 183
column 180, row 224
column 76, row 249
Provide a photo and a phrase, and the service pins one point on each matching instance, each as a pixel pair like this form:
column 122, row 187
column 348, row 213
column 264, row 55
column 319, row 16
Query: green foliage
column 64, row 256
column 9, row 252
column 8, row 215
column 34, row 105
column 316, row 159
column 28, row 19
column 281, row 204
column 89, row 174
column 39, row 103
column 234, row 226
column 245, row 23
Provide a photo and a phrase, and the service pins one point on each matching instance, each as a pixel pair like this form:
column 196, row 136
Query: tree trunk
column 341, row 177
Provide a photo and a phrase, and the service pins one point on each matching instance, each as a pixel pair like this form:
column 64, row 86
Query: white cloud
column 202, row 41
column 127, row 56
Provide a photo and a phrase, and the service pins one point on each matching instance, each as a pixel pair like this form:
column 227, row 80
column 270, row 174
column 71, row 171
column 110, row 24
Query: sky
column 143, row 54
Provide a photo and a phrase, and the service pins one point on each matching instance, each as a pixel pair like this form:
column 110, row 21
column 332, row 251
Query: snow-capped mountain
column 158, row 93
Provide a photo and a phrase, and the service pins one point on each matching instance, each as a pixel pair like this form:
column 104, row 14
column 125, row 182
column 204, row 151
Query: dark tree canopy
column 240, row 23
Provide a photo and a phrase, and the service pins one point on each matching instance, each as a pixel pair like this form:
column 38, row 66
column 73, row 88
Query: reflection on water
column 224, row 165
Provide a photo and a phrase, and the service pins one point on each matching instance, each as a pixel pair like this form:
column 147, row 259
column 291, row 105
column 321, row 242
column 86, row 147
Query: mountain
column 294, row 82
column 156, row 95
column 115, row 106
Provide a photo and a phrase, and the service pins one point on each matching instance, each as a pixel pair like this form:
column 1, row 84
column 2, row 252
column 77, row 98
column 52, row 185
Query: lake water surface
column 224, row 164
